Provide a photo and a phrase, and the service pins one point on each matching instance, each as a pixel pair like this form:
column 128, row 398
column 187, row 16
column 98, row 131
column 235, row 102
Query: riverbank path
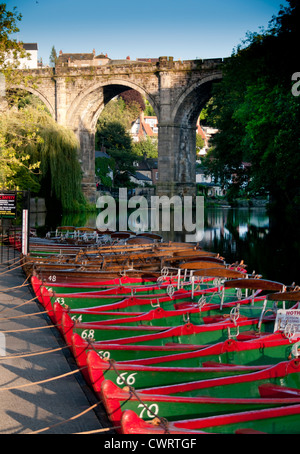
column 41, row 389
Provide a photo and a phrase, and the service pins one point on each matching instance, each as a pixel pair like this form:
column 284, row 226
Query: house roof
column 30, row 46
column 147, row 164
column 140, row 176
column 101, row 154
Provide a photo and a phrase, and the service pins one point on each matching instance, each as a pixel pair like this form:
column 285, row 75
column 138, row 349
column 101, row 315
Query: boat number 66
column 130, row 380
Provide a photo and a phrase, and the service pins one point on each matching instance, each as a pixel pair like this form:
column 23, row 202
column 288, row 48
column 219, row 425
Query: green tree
column 10, row 49
column 16, row 131
column 118, row 145
column 53, row 57
column 256, row 114
column 147, row 147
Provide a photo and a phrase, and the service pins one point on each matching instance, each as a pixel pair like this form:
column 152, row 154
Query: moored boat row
column 172, row 339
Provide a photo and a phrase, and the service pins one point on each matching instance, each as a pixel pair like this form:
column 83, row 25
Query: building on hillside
column 149, row 168
column 28, row 62
column 147, row 60
column 80, row 60
column 140, row 179
column 144, row 126
column 206, row 184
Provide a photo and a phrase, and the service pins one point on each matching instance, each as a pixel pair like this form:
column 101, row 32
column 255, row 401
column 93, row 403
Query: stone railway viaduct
column 177, row 90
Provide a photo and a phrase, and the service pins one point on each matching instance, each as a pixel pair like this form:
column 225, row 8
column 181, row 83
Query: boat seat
column 248, row 335
column 216, row 364
column 270, row 390
column 248, row 431
column 215, row 318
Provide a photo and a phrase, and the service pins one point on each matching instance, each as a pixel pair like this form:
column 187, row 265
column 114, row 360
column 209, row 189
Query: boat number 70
column 151, row 410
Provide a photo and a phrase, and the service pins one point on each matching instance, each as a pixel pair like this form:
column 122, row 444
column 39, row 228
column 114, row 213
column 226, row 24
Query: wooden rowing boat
column 204, row 398
column 140, row 376
column 202, row 334
column 279, row 420
column 202, row 339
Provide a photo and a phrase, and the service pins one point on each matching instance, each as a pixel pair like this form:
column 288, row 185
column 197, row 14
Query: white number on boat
column 52, row 278
column 76, row 318
column 61, row 301
column 130, row 380
column 87, row 334
column 103, row 354
column 151, row 411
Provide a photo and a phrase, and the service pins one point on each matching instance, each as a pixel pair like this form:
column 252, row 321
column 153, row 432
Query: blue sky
column 185, row 29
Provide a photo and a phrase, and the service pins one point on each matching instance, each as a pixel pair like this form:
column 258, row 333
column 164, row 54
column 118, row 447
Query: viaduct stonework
column 177, row 90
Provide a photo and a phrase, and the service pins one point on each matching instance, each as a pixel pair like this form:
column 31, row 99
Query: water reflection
column 248, row 234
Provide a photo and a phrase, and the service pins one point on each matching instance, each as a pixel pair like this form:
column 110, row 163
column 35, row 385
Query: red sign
column 8, row 203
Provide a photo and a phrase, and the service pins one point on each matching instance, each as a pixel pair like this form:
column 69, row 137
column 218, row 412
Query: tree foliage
column 53, row 57
column 113, row 135
column 147, row 147
column 257, row 115
column 9, row 47
column 133, row 97
column 60, row 172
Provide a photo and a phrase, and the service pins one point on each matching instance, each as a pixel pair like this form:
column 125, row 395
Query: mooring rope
column 19, row 305
column 22, row 316
column 131, row 391
column 47, row 380
column 97, row 431
column 72, row 418
column 29, row 329
column 13, row 288
column 11, row 269
column 29, row 354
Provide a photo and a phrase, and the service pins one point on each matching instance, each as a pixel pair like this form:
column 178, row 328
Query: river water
column 268, row 245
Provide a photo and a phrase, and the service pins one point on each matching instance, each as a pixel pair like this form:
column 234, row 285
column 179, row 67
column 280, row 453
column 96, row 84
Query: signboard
column 288, row 321
column 8, row 202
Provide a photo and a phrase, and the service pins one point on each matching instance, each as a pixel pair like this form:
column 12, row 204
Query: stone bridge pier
column 177, row 91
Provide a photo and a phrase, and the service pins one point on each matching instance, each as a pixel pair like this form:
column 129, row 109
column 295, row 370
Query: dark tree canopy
column 257, row 115
column 133, row 96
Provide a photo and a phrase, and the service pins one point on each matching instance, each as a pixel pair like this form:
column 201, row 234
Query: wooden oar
column 219, row 272
column 200, row 265
column 284, row 296
column 255, row 284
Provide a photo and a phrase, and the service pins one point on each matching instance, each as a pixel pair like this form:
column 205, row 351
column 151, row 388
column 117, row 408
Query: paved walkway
column 35, row 407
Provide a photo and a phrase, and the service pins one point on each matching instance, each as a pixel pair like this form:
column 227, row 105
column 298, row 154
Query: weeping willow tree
column 60, row 171
column 58, row 175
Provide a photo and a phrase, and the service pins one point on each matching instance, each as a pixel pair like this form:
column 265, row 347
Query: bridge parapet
column 177, row 90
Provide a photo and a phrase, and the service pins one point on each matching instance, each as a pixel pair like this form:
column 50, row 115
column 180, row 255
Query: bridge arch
column 190, row 103
column 88, row 104
column 82, row 116
column 177, row 90
column 39, row 94
column 177, row 139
